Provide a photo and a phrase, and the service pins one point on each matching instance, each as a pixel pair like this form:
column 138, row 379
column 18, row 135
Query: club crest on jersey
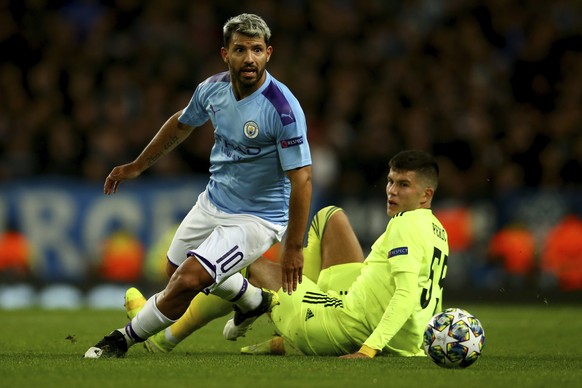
column 251, row 129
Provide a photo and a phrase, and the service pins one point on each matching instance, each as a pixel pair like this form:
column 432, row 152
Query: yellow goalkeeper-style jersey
column 411, row 254
column 384, row 303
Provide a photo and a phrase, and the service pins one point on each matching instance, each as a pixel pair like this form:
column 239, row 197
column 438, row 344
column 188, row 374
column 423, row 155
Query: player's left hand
column 118, row 175
column 355, row 356
column 291, row 269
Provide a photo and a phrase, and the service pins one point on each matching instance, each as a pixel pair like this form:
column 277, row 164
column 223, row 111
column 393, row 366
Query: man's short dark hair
column 420, row 162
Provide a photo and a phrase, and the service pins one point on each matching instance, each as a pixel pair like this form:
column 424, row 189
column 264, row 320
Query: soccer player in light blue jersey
column 391, row 295
column 259, row 189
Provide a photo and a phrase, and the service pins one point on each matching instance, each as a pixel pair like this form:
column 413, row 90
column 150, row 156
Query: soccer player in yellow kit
column 397, row 289
column 349, row 306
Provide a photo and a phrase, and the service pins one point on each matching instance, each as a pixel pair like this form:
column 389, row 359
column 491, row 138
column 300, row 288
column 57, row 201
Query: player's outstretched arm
column 119, row 174
column 299, row 202
column 168, row 137
column 364, row 352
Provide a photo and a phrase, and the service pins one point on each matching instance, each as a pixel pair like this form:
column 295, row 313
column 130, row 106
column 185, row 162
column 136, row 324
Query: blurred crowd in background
column 492, row 88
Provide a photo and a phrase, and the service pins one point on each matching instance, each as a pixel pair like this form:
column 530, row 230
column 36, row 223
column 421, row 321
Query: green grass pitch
column 526, row 346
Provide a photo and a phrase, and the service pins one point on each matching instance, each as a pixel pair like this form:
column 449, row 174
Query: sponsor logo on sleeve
column 294, row 141
column 287, row 118
column 398, row 252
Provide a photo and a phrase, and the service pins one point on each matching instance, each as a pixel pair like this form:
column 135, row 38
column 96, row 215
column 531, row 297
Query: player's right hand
column 119, row 174
column 291, row 269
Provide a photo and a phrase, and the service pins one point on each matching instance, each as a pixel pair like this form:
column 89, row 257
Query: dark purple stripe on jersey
column 241, row 292
column 171, row 262
column 129, row 331
column 220, row 77
column 277, row 98
column 204, row 261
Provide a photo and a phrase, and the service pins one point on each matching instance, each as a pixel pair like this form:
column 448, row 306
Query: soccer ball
column 454, row 338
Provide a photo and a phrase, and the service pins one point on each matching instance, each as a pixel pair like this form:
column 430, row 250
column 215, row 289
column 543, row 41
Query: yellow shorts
column 313, row 318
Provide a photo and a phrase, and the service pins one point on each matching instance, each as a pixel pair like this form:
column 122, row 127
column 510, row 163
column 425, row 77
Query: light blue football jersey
column 256, row 140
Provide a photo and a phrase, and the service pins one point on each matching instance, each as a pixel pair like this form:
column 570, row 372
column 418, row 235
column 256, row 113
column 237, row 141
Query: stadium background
column 492, row 88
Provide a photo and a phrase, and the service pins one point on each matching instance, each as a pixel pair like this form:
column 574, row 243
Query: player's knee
column 335, row 218
column 323, row 217
column 191, row 280
column 195, row 282
column 328, row 211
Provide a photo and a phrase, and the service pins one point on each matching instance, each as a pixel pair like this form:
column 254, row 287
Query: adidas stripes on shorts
column 313, row 317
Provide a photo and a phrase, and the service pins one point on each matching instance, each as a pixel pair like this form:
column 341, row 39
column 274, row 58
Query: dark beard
column 248, row 84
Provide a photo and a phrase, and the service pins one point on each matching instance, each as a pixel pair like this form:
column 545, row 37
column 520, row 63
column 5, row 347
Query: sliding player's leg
column 331, row 242
column 202, row 310
column 312, row 253
column 305, row 320
column 341, row 254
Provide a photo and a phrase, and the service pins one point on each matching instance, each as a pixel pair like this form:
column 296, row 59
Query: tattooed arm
column 168, row 137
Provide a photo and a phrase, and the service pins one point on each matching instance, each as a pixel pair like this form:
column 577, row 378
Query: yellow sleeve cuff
column 368, row 351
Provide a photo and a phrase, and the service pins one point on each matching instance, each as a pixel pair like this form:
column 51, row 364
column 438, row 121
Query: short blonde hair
column 247, row 24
